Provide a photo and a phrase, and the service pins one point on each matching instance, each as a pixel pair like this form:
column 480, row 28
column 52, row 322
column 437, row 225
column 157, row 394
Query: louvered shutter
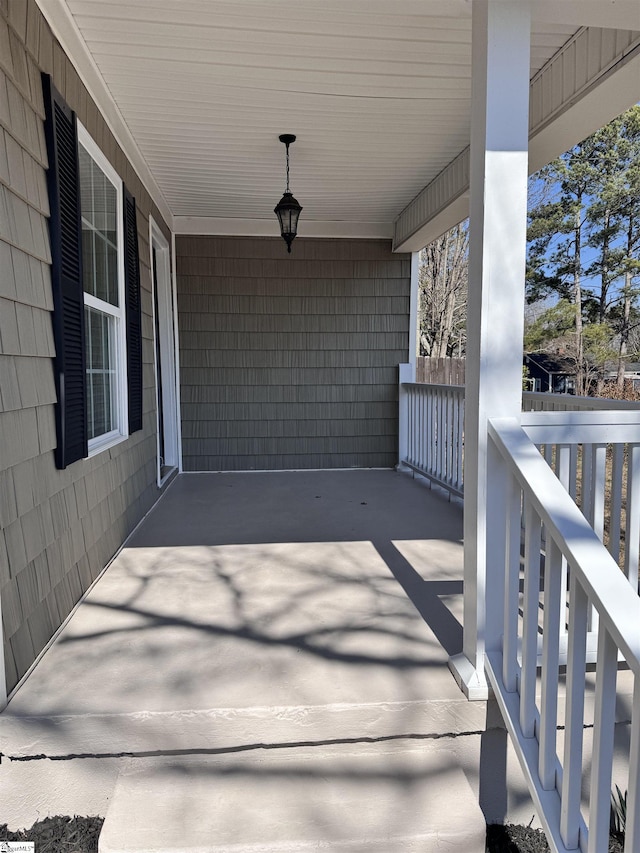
column 134, row 313
column 66, row 276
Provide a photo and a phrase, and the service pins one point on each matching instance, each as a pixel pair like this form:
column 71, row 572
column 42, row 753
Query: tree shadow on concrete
column 324, row 621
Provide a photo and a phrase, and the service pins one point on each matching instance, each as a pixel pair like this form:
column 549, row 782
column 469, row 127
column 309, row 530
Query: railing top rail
column 574, row 403
column 570, row 402
column 596, row 427
column 595, row 568
column 432, row 385
column 599, row 417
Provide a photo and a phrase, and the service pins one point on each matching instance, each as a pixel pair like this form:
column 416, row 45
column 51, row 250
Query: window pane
column 101, row 372
column 99, row 204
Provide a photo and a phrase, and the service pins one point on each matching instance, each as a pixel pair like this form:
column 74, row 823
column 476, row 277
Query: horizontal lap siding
column 58, row 529
column 290, row 361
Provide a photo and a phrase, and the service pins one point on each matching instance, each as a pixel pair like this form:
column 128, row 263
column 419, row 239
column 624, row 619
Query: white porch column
column 498, row 208
column 407, row 372
column 414, row 310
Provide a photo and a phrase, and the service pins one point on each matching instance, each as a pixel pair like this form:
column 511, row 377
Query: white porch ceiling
column 378, row 93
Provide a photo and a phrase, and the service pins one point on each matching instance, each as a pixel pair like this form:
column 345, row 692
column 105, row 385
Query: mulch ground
column 524, row 839
column 63, row 834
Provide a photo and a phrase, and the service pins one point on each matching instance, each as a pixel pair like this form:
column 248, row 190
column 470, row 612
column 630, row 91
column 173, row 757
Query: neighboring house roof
column 551, row 363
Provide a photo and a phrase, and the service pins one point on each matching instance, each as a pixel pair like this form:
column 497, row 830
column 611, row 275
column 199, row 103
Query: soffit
column 378, row 94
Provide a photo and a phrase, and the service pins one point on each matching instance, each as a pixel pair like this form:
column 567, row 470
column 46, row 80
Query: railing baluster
column 632, row 835
column 632, row 538
column 445, row 434
column 418, row 439
column 598, row 488
column 449, row 436
column 573, row 471
column 615, row 510
column 432, row 439
column 455, row 473
column 574, row 713
column 440, row 436
column 586, row 500
column 532, row 535
column 604, row 727
column 510, row 668
column 415, row 423
column 553, row 600
column 461, row 441
column 410, row 426
column 424, row 429
column 566, row 475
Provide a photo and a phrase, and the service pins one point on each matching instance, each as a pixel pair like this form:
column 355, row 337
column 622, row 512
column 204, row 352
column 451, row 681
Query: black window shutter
column 66, row 276
column 134, row 313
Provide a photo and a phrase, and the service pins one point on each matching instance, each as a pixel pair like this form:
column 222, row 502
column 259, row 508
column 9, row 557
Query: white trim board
column 176, row 338
column 165, row 300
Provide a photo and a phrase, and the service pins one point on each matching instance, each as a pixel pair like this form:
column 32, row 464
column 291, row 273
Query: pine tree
column 590, row 205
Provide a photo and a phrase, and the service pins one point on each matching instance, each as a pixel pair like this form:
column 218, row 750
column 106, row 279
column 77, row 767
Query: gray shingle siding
column 58, row 529
column 290, row 361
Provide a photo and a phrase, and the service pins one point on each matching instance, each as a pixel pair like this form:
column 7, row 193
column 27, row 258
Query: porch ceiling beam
column 590, row 81
column 211, row 225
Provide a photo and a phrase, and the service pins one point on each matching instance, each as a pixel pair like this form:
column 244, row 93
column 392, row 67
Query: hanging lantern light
column 288, row 210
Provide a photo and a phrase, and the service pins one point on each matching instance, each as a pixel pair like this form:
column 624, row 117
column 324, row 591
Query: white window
column 101, row 201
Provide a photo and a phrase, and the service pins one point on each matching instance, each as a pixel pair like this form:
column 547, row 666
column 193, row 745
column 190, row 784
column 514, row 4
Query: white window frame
column 121, row 430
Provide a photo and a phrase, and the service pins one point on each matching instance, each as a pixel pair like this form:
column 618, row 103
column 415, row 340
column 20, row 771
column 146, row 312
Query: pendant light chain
column 287, row 167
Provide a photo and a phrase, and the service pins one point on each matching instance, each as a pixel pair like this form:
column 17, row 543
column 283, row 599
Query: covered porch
column 231, row 607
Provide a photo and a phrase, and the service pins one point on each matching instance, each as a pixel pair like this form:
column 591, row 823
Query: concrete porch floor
column 251, row 611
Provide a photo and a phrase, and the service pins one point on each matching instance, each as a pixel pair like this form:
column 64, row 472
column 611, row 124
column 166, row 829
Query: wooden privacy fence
column 440, row 371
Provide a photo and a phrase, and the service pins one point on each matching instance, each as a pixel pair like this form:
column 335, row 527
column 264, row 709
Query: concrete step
column 376, row 798
column 224, row 728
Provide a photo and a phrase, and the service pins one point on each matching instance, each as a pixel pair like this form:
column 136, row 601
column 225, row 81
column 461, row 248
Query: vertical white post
column 498, row 214
column 174, row 276
column 406, row 374
column 408, row 371
column 414, row 308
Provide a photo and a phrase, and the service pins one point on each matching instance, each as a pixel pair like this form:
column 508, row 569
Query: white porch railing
column 559, row 541
column 604, row 479
column 596, row 457
column 432, row 418
column 564, row 482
